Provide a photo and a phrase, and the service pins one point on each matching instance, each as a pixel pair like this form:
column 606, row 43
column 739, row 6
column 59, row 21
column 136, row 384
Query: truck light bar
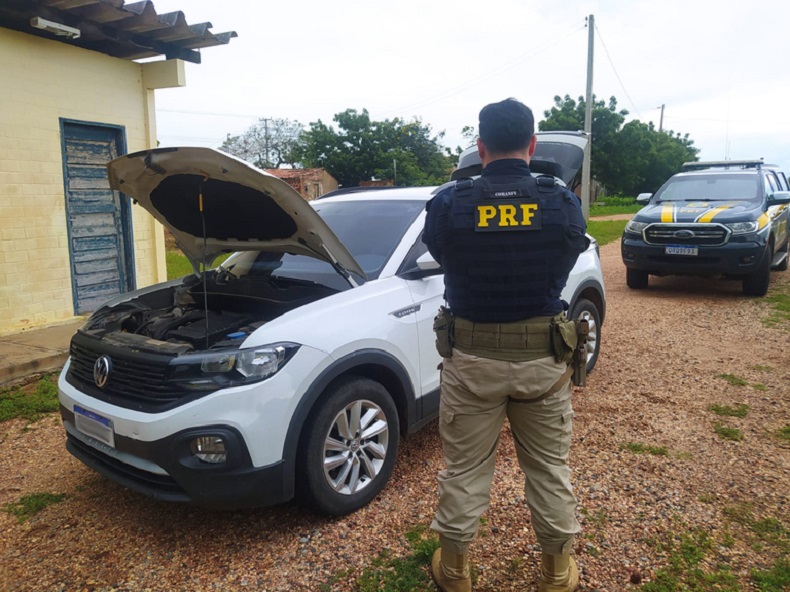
column 727, row 164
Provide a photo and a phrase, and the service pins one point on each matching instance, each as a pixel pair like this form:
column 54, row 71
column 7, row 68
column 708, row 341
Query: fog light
column 629, row 256
column 209, row 449
column 748, row 259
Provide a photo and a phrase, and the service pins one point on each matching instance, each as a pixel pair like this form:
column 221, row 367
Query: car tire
column 585, row 309
column 350, row 447
column 636, row 279
column 756, row 284
column 783, row 265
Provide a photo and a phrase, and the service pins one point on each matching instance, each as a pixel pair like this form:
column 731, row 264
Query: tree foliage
column 268, row 144
column 361, row 149
column 627, row 159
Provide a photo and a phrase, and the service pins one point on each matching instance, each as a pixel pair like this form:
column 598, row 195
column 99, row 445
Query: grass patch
column 32, row 504
column 599, row 517
column 779, row 299
column 776, row 579
column 179, row 266
column 402, row 574
column 727, row 411
column 690, row 562
column 761, row 368
column 609, row 206
column 638, row 448
column 728, row 433
column 784, row 433
column 734, row 380
column 29, row 402
column 684, row 570
column 606, row 231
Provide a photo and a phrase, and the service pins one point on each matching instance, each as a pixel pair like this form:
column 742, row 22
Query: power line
column 491, row 74
column 606, row 51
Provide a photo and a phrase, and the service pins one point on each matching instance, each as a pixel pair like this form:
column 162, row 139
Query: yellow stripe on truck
column 762, row 221
column 710, row 214
column 668, row 213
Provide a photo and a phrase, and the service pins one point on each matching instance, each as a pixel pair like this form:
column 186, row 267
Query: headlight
column 743, row 227
column 212, row 370
column 635, row 227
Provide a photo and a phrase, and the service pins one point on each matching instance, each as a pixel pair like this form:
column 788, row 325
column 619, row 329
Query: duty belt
column 520, row 341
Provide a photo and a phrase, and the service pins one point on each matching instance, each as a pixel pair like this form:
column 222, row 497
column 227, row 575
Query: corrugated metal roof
column 129, row 31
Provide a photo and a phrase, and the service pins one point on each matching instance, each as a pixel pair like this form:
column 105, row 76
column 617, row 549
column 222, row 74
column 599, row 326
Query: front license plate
column 681, row 250
column 94, row 425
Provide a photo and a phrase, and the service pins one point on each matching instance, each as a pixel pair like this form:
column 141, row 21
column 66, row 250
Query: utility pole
column 588, row 120
column 661, row 121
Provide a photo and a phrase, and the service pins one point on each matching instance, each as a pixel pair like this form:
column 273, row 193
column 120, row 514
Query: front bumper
column 733, row 258
column 170, row 473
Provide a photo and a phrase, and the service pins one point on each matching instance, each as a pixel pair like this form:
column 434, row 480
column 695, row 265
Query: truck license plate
column 94, row 425
column 681, row 250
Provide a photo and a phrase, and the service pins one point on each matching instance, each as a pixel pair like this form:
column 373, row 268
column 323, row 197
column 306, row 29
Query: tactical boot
column 450, row 571
column 558, row 573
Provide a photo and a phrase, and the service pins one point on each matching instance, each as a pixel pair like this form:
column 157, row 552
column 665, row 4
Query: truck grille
column 702, row 235
column 137, row 381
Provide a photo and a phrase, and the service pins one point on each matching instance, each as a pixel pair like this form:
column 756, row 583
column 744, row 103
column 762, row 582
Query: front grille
column 701, row 235
column 137, row 381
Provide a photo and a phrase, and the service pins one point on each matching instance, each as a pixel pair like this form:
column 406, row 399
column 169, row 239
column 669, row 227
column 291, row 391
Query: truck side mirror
column 643, row 198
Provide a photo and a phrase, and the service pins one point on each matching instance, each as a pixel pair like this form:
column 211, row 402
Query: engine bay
column 217, row 310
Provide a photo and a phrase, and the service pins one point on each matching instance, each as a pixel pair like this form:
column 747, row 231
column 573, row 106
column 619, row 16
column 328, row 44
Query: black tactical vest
column 509, row 248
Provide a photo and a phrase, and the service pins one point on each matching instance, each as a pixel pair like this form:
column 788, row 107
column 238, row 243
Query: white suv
column 292, row 369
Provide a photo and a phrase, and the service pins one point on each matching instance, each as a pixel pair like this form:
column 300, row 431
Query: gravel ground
column 659, row 369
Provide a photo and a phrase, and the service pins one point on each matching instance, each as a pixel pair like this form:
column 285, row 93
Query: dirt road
column 657, row 485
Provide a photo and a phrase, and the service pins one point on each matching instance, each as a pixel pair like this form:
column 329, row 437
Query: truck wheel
column 350, row 447
column 783, row 265
column 756, row 284
column 584, row 309
column 636, row 279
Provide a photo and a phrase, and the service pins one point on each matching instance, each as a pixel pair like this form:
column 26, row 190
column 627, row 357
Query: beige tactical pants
column 477, row 393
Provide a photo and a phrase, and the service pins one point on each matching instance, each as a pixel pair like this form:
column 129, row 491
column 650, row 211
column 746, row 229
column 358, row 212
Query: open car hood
column 243, row 208
column 559, row 154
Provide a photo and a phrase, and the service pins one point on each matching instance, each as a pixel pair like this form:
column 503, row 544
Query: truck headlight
column 212, row 370
column 743, row 227
column 635, row 227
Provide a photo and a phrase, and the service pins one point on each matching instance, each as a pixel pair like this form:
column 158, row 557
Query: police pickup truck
column 725, row 219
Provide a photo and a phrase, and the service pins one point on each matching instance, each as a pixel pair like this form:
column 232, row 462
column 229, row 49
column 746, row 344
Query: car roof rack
column 726, row 164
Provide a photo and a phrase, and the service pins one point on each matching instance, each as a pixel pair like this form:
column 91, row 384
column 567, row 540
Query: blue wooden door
column 100, row 241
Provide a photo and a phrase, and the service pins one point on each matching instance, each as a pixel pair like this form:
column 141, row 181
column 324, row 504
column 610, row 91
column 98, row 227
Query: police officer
column 507, row 242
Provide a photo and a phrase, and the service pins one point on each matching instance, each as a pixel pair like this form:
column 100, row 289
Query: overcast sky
column 721, row 68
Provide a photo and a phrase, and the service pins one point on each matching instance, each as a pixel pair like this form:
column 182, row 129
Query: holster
column 563, row 339
column 443, row 328
column 579, row 376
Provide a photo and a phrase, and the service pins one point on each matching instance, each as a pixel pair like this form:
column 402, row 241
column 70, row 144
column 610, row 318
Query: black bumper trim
column 236, row 484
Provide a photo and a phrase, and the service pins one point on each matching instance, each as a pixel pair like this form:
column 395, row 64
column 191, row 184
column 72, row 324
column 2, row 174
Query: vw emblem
column 685, row 233
column 101, row 371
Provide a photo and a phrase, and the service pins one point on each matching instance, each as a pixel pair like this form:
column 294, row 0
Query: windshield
column 710, row 188
column 370, row 230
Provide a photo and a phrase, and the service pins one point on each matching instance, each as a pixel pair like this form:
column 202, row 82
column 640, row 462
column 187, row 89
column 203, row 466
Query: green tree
column 361, row 149
column 627, row 159
column 645, row 158
column 268, row 144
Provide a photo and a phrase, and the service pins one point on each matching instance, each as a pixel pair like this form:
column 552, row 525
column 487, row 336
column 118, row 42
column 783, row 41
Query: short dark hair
column 506, row 126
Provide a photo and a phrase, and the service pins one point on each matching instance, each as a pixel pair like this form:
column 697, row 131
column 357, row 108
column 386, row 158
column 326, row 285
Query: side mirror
column 643, row 198
column 426, row 262
column 426, row 267
column 778, row 198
